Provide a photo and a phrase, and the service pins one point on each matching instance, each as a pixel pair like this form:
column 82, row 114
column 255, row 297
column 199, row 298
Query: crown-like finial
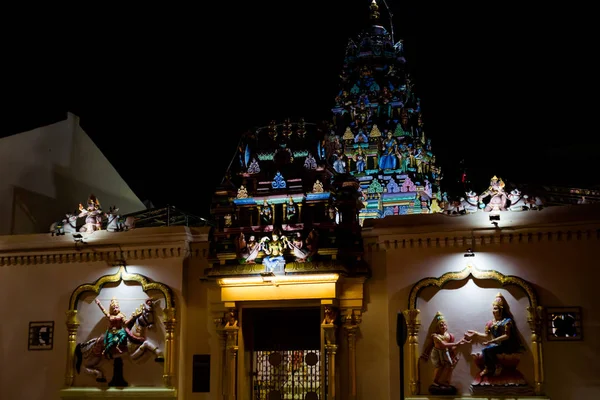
column 439, row 317
column 374, row 10
column 499, row 300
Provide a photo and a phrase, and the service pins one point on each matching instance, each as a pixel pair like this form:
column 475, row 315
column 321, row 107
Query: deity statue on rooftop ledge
column 498, row 196
column 93, row 215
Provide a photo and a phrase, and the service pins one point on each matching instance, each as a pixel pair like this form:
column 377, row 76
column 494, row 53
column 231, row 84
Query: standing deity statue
column 92, row 214
column 440, row 349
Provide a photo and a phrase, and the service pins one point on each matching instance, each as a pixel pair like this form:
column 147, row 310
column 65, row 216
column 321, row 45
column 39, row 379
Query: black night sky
column 166, row 94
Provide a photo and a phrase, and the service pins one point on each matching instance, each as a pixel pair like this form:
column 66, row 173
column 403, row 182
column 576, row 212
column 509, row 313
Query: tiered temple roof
column 377, row 133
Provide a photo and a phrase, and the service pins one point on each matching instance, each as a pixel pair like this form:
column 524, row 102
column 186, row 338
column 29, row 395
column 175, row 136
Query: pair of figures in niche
column 497, row 360
column 291, row 212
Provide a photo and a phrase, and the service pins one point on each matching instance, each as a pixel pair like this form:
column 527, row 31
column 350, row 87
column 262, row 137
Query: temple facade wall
column 557, row 259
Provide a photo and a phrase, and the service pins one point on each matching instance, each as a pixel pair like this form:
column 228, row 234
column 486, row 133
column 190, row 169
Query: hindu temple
column 332, row 266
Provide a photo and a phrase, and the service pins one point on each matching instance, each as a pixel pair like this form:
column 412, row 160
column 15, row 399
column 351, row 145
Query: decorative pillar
column 299, row 212
column 352, row 320
column 169, row 367
column 329, row 333
column 273, row 217
column 72, row 326
column 219, row 325
column 413, row 324
column 231, row 331
column 534, row 320
column 331, row 350
column 284, row 212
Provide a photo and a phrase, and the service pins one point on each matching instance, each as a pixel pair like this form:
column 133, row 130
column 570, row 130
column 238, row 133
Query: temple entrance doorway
column 285, row 344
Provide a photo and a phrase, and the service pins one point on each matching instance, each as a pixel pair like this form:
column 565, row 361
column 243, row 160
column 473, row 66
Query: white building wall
column 48, row 171
column 38, row 274
column 557, row 255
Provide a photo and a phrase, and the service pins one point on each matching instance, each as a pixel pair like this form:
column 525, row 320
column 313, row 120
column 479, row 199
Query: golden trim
column 475, row 273
column 534, row 318
column 122, row 275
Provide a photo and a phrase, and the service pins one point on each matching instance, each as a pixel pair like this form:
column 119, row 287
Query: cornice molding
column 102, row 246
column 482, row 237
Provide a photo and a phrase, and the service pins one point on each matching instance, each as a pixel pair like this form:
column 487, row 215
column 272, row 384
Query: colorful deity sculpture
column 440, row 348
column 273, row 248
column 116, row 336
column 123, row 337
column 498, row 196
column 502, row 347
column 92, row 214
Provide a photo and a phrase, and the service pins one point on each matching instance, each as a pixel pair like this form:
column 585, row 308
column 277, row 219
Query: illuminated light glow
column 279, row 280
column 317, row 196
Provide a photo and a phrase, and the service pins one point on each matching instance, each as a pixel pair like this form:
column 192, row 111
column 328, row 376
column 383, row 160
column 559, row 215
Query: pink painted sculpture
column 92, row 214
column 123, row 336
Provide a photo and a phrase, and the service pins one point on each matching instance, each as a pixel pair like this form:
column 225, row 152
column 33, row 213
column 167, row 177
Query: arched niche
column 534, row 317
column 122, row 276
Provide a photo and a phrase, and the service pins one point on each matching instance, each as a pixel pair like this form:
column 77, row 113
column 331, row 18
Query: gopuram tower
column 377, row 134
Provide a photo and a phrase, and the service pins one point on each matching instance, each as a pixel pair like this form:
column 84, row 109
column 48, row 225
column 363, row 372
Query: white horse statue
column 66, row 225
column 115, row 223
column 91, row 353
column 471, row 203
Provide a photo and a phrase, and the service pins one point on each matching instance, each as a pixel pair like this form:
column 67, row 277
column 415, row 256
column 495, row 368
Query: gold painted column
column 299, row 212
column 72, row 326
column 413, row 324
column 352, row 320
column 329, row 332
column 231, row 331
column 331, row 350
column 169, row 367
column 534, row 320
column 219, row 325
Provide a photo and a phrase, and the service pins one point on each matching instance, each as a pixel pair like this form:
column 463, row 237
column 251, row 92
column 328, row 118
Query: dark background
column 166, row 93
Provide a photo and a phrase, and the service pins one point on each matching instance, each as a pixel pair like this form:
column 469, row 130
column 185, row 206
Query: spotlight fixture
column 78, row 238
column 494, row 217
column 267, row 276
column 469, row 253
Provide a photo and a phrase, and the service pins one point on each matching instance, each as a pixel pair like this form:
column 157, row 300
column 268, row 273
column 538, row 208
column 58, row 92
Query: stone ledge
column 146, row 393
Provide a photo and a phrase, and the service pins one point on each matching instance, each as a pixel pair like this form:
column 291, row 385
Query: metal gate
column 286, row 375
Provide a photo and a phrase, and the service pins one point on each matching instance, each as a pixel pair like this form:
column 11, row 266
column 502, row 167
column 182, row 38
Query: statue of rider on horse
column 123, row 336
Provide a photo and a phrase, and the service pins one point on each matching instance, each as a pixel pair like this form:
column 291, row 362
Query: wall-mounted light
column 469, row 253
column 267, row 276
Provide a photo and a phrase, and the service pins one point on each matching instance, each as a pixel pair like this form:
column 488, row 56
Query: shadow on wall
column 34, row 212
